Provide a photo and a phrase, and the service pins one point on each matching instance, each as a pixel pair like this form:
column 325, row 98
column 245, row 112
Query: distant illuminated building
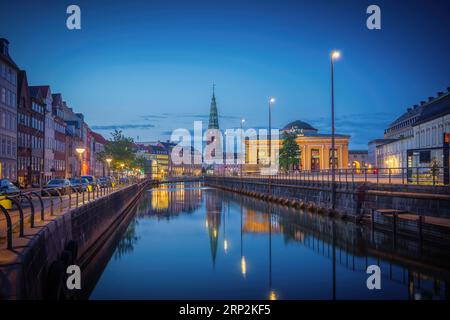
column 315, row 149
column 255, row 222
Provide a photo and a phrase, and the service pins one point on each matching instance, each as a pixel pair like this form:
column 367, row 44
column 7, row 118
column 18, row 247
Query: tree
column 120, row 149
column 289, row 151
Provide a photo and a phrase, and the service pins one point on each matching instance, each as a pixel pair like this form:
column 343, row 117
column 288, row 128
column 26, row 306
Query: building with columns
column 315, row 148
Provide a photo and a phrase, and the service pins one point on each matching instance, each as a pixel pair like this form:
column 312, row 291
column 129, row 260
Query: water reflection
column 191, row 242
column 128, row 241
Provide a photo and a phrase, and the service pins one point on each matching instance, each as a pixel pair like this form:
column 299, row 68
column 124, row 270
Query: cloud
column 155, row 117
column 122, row 126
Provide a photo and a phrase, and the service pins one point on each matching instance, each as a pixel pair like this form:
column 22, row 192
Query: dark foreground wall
column 424, row 200
column 30, row 277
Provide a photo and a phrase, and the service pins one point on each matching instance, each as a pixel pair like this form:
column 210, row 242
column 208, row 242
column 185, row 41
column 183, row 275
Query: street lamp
column 243, row 262
column 334, row 56
column 108, row 160
column 122, row 166
column 242, row 146
column 80, row 151
column 271, row 102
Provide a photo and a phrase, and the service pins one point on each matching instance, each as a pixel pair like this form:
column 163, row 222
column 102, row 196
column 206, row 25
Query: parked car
column 104, row 182
column 8, row 188
column 62, row 184
column 80, row 184
column 91, row 180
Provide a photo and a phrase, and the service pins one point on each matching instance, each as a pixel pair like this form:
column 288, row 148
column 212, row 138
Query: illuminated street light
column 242, row 146
column 334, row 56
column 108, row 160
column 80, row 151
column 271, row 102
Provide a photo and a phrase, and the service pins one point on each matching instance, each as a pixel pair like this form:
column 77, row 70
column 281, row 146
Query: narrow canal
column 186, row 241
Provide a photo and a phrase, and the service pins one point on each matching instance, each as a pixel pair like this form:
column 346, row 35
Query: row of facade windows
column 57, row 165
column 51, row 124
column 8, row 97
column 37, row 107
column 8, row 120
column 37, row 124
column 37, row 142
column 8, row 170
column 8, row 73
column 431, row 136
column 8, row 146
column 55, row 145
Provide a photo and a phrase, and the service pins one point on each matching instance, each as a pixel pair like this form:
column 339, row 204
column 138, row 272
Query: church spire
column 213, row 115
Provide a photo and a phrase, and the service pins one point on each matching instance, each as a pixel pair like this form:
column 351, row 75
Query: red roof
column 99, row 138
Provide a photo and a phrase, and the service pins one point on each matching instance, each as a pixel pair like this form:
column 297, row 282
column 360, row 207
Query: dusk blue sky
column 148, row 66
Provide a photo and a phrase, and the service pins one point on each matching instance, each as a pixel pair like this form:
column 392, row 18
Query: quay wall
column 28, row 277
column 423, row 200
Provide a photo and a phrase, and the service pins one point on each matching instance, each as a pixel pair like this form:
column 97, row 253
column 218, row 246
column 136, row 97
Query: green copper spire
column 213, row 115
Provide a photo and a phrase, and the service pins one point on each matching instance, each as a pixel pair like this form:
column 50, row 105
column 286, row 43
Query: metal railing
column 402, row 175
column 69, row 197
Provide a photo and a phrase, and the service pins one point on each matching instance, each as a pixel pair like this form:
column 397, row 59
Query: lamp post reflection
column 334, row 258
column 225, row 241
column 272, row 293
column 243, row 262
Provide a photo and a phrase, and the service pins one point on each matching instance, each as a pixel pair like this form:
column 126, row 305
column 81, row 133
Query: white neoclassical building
column 419, row 138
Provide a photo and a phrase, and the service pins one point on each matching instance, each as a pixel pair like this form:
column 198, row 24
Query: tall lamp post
column 242, row 146
column 271, row 102
column 334, row 56
column 122, row 165
column 80, row 151
column 108, row 160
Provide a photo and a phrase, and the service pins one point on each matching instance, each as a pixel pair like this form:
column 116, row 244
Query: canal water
column 186, row 241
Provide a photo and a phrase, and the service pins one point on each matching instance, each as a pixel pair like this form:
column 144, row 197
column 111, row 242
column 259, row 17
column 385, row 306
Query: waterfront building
column 183, row 169
column 158, row 157
column 49, row 132
column 359, row 159
column 424, row 142
column 97, row 144
column 8, row 113
column 37, row 119
column 315, row 148
column 59, row 150
column 74, row 139
column 24, row 131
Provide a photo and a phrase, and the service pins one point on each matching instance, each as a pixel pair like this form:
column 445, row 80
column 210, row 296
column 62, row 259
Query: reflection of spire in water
column 213, row 217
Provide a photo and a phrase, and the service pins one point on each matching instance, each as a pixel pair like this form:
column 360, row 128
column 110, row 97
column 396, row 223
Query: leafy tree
column 120, row 150
column 289, row 151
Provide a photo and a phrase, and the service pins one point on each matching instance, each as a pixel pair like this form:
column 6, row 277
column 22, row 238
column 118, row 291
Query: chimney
column 422, row 103
column 440, row 93
column 409, row 109
column 430, row 99
column 448, row 89
column 416, row 106
column 4, row 45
